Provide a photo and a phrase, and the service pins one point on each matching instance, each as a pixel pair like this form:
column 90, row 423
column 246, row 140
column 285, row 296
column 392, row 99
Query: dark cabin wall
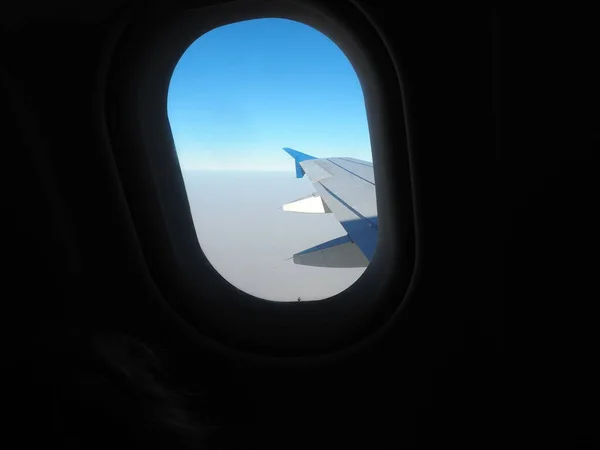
column 77, row 265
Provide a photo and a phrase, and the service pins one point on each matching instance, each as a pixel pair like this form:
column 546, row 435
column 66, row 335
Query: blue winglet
column 298, row 158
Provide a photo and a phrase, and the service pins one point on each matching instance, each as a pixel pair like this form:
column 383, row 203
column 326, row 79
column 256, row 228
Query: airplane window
column 270, row 128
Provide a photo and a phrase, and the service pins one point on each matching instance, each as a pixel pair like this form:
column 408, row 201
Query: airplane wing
column 345, row 188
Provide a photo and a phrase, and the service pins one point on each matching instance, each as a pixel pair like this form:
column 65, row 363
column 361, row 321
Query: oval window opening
column 271, row 133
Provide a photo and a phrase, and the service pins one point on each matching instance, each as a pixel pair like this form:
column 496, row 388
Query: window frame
column 138, row 127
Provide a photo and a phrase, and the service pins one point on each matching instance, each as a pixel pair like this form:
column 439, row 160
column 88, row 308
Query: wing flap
column 339, row 253
column 313, row 204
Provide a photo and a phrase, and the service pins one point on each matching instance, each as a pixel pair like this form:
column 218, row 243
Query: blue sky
column 243, row 91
